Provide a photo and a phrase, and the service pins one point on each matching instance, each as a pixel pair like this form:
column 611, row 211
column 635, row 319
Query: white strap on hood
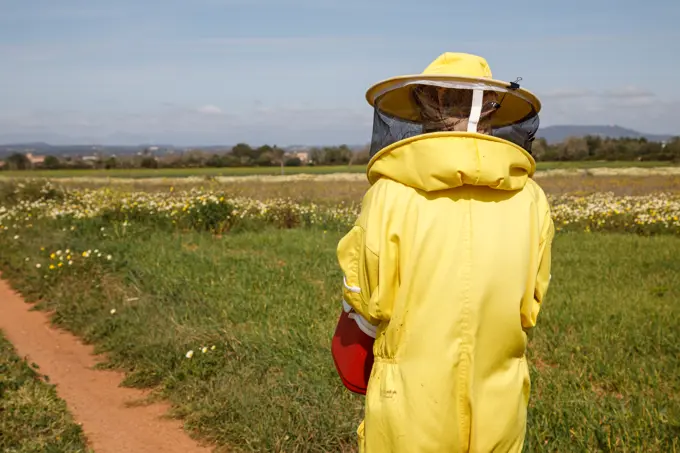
column 476, row 110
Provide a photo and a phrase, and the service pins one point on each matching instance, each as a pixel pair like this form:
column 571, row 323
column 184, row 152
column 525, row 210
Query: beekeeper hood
column 453, row 125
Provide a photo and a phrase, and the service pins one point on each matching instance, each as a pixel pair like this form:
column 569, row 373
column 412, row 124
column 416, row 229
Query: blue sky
column 295, row 71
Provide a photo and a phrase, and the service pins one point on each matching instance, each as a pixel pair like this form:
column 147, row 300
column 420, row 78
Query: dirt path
column 94, row 396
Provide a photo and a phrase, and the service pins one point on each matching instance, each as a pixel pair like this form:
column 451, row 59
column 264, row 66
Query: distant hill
column 556, row 134
column 59, row 145
column 40, row 148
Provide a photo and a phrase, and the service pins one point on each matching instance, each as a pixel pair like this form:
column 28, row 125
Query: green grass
column 32, row 417
column 249, row 171
column 605, row 357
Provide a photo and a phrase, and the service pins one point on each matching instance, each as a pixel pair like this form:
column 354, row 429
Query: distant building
column 149, row 151
column 35, row 160
column 303, row 156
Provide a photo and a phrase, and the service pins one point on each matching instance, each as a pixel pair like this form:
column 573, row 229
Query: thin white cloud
column 614, row 93
column 629, row 92
column 186, row 126
column 566, row 93
column 633, row 102
column 636, row 109
column 283, row 124
column 210, row 110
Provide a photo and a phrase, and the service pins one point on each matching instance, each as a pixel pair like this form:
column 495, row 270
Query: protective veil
column 449, row 261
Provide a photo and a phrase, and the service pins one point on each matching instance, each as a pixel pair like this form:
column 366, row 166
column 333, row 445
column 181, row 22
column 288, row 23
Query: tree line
column 607, row 149
column 243, row 155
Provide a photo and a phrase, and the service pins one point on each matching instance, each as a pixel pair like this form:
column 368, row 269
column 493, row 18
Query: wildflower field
column 318, row 169
column 223, row 299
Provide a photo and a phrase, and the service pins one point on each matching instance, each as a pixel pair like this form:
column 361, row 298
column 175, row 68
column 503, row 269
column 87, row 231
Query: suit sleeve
column 530, row 313
column 364, row 263
column 359, row 267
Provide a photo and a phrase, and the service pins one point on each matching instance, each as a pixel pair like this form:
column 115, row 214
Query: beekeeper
column 449, row 262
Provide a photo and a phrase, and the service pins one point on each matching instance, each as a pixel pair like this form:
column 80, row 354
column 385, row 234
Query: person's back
column 449, row 262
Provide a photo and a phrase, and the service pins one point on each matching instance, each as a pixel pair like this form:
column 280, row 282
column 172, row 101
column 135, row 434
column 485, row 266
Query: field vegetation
column 32, row 417
column 222, row 297
column 186, row 172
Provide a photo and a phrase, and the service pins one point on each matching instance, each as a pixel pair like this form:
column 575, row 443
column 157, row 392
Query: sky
column 287, row 72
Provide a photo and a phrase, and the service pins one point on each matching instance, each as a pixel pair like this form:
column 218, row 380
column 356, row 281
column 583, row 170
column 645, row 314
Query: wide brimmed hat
column 458, row 71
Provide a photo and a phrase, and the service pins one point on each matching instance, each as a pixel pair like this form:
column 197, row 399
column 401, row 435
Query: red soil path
column 94, row 396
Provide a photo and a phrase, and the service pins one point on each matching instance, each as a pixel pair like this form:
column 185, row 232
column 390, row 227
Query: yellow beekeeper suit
column 449, row 262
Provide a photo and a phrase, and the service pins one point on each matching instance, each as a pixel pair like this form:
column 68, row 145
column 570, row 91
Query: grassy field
column 32, row 417
column 247, row 171
column 234, row 329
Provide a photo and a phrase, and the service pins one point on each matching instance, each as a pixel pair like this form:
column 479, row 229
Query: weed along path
column 93, row 396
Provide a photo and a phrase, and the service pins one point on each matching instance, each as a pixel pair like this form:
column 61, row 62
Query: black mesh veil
column 418, row 108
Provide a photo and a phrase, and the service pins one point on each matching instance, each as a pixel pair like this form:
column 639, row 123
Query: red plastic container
column 352, row 351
